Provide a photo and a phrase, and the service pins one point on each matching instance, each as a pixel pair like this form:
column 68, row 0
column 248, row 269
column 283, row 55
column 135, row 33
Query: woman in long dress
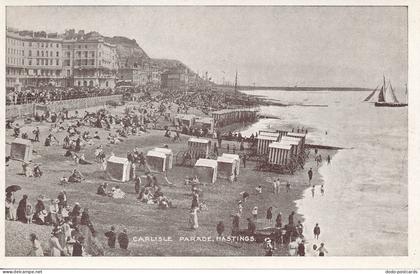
column 36, row 248
column 55, row 247
column 194, row 218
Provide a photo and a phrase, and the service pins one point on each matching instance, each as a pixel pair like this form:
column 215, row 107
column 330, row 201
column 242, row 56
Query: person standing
column 112, row 237
column 301, row 249
column 329, row 159
column 269, row 215
column 288, row 186
column 274, row 186
column 194, row 218
column 20, row 212
column 278, row 221
column 317, row 231
column 322, row 190
column 123, row 239
column 310, row 174
column 291, row 219
column 78, row 247
column 220, row 228
column 55, row 247
column 251, row 227
column 36, row 248
column 313, row 191
column 244, row 160
column 137, row 183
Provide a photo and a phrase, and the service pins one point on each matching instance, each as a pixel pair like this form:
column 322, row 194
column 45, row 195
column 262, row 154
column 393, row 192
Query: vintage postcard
column 219, row 133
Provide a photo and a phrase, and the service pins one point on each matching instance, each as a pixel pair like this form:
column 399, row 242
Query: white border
column 410, row 261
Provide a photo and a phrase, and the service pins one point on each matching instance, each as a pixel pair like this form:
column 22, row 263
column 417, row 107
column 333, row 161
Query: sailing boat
column 384, row 96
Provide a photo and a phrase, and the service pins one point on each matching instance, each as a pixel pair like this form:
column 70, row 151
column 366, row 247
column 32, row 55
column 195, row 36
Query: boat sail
column 384, row 96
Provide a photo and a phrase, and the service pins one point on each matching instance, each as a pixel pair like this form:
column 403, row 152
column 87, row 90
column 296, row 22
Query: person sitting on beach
column 259, row 189
column 76, row 177
column 37, row 170
column 102, row 190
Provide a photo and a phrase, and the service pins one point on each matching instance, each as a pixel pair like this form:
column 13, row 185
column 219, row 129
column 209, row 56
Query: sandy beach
column 144, row 220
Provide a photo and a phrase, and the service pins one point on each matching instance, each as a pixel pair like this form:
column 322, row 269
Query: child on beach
column 322, row 250
column 259, row 189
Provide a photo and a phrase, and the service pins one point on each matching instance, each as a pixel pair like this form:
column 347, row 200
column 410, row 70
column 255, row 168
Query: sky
column 267, row 45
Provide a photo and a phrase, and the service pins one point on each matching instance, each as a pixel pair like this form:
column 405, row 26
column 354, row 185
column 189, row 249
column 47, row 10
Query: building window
column 30, row 53
column 46, row 45
column 23, row 44
column 30, row 44
column 37, row 62
column 84, row 83
column 46, row 53
column 57, row 54
column 37, row 53
column 78, row 83
column 30, row 62
column 42, row 53
column 56, row 61
column 68, row 73
column 106, row 83
column 57, row 45
column 51, row 62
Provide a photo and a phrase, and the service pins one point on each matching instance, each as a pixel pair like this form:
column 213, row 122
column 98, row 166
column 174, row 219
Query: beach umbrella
column 13, row 188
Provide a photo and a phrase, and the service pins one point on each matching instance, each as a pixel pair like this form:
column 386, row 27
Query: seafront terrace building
column 33, row 60
column 37, row 59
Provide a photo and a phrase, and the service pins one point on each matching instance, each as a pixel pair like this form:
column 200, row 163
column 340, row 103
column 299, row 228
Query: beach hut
column 226, row 167
column 270, row 134
column 301, row 137
column 21, row 149
column 236, row 158
column 206, row 170
column 156, row 161
column 205, row 122
column 118, row 168
column 199, row 147
column 293, row 141
column 186, row 119
column 263, row 142
column 279, row 153
column 169, row 156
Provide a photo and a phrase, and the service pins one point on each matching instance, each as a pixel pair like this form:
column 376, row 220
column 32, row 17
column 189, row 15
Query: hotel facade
column 38, row 59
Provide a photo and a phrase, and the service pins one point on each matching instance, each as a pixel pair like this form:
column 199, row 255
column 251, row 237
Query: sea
column 364, row 211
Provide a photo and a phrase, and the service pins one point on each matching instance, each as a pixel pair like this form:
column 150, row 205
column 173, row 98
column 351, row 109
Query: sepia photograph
column 225, row 131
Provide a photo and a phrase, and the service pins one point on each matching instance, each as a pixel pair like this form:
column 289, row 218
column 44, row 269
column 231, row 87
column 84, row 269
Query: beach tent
column 301, row 137
column 21, row 149
column 197, row 146
column 279, row 153
column 226, row 167
column 169, row 156
column 206, row 170
column 156, row 161
column 205, row 122
column 236, row 158
column 263, row 142
column 295, row 142
column 118, row 168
